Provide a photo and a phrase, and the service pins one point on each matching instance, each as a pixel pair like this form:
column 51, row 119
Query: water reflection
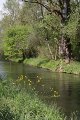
column 51, row 87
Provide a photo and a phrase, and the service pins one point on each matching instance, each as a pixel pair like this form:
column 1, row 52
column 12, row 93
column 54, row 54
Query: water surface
column 51, row 87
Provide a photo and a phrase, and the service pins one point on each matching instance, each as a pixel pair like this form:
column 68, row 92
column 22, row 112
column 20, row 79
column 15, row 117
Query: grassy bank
column 17, row 103
column 55, row 66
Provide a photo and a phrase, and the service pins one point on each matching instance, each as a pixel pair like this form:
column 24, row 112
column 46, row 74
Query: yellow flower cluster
column 20, row 78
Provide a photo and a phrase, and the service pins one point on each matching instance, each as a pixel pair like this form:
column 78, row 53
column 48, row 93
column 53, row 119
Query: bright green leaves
column 16, row 40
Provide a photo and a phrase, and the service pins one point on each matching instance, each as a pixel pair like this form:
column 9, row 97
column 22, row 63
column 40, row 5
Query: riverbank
column 17, row 103
column 56, row 66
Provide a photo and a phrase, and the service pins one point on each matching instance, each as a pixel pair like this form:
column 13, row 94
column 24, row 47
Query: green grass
column 73, row 67
column 42, row 62
column 16, row 59
column 36, row 62
column 17, row 103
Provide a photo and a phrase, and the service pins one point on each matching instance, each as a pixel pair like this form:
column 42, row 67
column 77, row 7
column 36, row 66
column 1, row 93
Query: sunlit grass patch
column 72, row 67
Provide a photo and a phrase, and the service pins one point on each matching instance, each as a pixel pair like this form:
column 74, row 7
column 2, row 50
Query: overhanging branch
column 46, row 7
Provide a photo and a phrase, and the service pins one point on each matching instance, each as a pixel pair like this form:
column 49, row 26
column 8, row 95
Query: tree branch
column 47, row 8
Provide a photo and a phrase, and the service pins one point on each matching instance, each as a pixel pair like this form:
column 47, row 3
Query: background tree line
column 45, row 28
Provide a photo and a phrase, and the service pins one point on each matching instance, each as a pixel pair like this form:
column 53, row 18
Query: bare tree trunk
column 65, row 49
column 56, row 52
column 50, row 51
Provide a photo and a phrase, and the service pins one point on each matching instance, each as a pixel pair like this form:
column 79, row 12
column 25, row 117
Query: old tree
column 63, row 9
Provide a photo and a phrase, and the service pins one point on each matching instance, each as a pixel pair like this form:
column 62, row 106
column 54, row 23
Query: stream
column 60, row 88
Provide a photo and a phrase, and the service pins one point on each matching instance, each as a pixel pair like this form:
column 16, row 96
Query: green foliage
column 13, row 11
column 32, row 26
column 27, row 14
column 49, row 25
column 71, row 29
column 22, row 104
column 16, row 40
column 48, row 31
column 6, row 114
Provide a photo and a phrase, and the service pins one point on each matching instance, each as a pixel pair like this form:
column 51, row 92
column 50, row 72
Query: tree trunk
column 50, row 51
column 64, row 42
column 65, row 49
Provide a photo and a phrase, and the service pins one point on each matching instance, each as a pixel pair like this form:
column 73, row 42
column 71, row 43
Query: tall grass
column 17, row 103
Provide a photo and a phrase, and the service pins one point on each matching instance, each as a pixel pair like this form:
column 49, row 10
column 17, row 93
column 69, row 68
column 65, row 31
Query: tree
column 10, row 15
column 16, row 41
column 28, row 14
column 55, row 24
column 13, row 9
column 62, row 9
column 59, row 7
